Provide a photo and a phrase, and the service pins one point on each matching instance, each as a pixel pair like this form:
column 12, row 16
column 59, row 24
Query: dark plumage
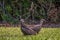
column 30, row 29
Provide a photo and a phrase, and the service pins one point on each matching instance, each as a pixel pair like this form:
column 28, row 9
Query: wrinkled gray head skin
column 22, row 20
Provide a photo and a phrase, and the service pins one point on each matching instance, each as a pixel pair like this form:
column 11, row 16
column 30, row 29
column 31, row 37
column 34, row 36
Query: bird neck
column 23, row 24
column 41, row 22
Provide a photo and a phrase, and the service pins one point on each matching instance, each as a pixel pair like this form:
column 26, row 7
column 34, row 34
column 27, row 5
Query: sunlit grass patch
column 14, row 33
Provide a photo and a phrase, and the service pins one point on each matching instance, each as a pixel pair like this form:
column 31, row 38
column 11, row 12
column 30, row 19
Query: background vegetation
column 11, row 10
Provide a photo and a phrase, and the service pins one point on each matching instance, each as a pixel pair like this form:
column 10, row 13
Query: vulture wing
column 28, row 31
column 38, row 27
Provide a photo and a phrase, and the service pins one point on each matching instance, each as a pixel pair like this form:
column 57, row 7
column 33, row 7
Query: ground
column 14, row 33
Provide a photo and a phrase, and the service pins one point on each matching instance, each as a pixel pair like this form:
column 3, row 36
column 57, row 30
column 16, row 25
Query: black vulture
column 30, row 29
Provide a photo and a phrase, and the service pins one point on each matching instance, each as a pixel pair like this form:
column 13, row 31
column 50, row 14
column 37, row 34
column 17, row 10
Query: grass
column 14, row 33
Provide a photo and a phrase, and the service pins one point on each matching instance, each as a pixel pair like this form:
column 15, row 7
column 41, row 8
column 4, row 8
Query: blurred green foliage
column 16, row 8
